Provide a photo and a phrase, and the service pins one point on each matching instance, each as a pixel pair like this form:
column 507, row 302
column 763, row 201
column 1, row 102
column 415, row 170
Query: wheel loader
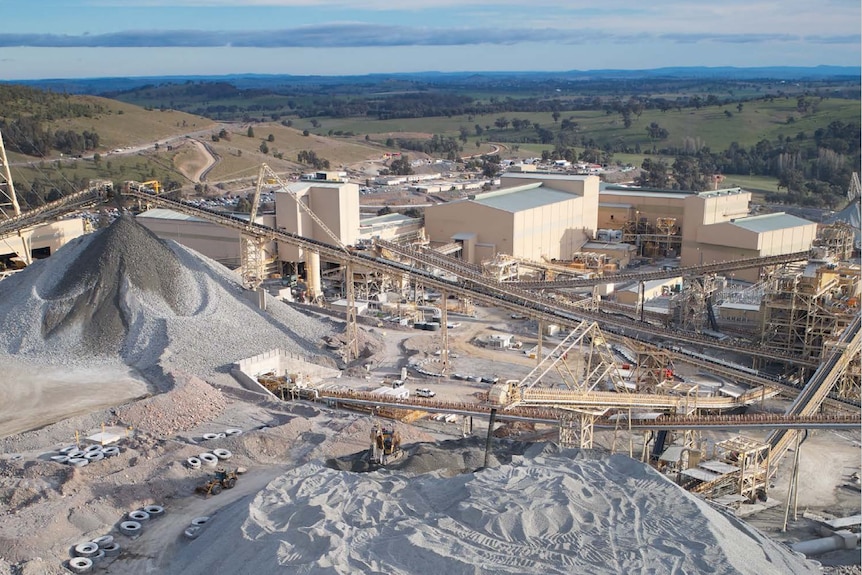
column 222, row 480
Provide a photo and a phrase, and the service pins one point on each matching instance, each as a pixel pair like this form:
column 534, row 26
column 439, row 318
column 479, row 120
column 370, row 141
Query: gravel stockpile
column 121, row 293
column 547, row 511
column 189, row 403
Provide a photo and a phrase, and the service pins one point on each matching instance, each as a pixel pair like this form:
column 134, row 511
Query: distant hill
column 274, row 81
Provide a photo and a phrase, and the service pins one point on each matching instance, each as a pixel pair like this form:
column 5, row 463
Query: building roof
column 521, row 198
column 645, row 193
column 165, row 214
column 625, row 190
column 391, row 218
column 770, row 222
column 742, row 306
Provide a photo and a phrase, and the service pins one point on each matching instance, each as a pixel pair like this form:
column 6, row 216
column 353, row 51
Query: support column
column 444, row 332
column 312, row 272
column 539, row 344
column 351, row 350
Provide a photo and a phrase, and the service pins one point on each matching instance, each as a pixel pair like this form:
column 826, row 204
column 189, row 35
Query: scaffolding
column 653, row 368
column 750, row 475
column 836, row 240
column 810, row 308
column 692, row 307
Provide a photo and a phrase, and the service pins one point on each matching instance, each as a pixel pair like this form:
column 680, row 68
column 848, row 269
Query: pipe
column 841, row 540
column 488, row 438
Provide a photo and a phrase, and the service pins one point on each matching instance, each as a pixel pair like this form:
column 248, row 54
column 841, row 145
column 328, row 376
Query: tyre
column 130, row 528
column 92, row 448
column 87, row 549
column 208, row 459
column 80, row 565
column 230, row 483
column 78, row 461
column 94, row 456
column 68, row 449
column 140, row 516
column 210, row 436
column 216, row 489
column 230, row 432
column 155, row 510
column 111, row 451
column 193, row 462
column 75, row 454
column 111, row 550
column 60, row 458
column 199, row 521
column 192, row 532
column 98, row 556
column 223, row 454
column 103, row 541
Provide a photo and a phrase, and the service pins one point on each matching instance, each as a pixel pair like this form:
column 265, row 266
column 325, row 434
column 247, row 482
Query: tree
column 315, row 123
column 656, row 132
column 463, row 133
column 305, row 132
column 250, row 132
column 384, row 210
column 243, row 206
column 401, row 166
column 739, row 107
column 264, row 149
column 97, row 157
column 502, row 122
column 270, row 138
column 654, row 174
column 556, row 116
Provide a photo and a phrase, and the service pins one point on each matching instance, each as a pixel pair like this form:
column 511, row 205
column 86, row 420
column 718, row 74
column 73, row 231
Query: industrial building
column 214, row 241
column 718, row 228
column 40, row 241
column 531, row 216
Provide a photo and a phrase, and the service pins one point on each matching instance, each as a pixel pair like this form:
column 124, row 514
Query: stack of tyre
column 213, row 457
column 134, row 523
column 79, row 457
column 87, row 555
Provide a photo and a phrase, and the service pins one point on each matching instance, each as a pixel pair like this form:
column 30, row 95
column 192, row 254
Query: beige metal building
column 42, row 241
column 532, row 216
column 719, row 229
column 212, row 240
column 335, row 204
column 619, row 204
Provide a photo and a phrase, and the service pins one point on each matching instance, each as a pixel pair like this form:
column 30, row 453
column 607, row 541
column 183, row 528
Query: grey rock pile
column 123, row 294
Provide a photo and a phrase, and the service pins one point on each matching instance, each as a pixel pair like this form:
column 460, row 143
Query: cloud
column 352, row 35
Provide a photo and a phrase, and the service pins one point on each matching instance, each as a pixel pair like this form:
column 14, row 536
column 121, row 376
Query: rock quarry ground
column 121, row 333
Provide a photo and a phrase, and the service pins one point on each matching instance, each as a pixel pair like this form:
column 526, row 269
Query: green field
column 708, row 126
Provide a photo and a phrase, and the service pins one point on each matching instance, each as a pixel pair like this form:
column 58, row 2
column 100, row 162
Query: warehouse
column 531, row 216
column 719, row 229
column 214, row 241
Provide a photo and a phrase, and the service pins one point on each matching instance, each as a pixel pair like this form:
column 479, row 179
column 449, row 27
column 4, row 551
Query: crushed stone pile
column 121, row 293
column 548, row 510
column 189, row 403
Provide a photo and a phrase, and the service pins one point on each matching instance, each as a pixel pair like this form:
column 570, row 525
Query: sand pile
column 190, row 402
column 121, row 293
column 545, row 511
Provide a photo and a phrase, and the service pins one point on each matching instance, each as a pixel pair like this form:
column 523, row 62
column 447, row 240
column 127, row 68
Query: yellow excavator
column 385, row 445
column 222, row 480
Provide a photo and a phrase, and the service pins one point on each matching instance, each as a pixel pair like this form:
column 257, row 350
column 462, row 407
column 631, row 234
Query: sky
column 102, row 38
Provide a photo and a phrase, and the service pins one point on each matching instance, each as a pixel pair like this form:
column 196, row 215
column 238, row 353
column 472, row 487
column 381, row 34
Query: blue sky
column 91, row 38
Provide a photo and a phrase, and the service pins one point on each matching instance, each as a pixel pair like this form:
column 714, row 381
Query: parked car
column 425, row 392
